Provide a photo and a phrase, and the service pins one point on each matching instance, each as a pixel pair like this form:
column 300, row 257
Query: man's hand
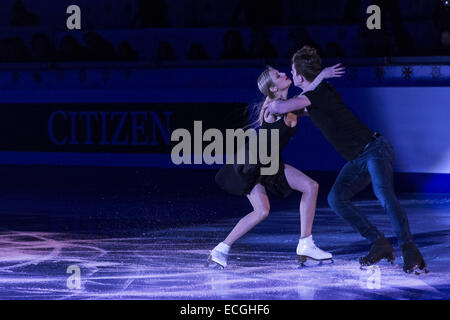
column 273, row 107
column 335, row 71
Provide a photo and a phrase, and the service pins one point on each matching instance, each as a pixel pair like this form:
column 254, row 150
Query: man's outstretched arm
column 293, row 104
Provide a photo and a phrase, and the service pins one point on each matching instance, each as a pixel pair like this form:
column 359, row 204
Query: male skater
column 370, row 158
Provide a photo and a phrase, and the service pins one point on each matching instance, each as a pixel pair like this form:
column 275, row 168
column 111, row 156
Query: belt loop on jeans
column 373, row 137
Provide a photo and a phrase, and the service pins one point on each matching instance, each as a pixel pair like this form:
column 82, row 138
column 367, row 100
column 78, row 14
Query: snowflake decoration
column 436, row 72
column 407, row 72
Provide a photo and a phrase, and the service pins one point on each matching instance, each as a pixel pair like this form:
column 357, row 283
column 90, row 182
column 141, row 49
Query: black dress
column 240, row 179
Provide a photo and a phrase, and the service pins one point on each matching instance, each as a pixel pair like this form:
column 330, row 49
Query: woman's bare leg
column 297, row 180
column 261, row 207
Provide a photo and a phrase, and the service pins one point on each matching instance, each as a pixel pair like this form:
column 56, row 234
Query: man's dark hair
column 307, row 62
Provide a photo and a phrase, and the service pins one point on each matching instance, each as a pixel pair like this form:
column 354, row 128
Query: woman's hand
column 291, row 119
column 335, row 71
column 269, row 117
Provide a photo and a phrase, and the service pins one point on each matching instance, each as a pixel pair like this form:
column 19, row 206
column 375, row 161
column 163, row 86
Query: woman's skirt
column 241, row 179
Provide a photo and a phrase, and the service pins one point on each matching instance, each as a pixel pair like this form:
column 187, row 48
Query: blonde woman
column 274, row 85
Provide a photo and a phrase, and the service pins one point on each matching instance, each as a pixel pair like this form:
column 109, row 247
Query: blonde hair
column 264, row 83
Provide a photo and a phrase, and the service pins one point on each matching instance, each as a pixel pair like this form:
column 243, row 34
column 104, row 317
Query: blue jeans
column 374, row 164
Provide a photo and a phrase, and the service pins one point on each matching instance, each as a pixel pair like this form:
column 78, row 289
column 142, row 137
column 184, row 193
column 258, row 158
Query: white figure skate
column 218, row 256
column 307, row 249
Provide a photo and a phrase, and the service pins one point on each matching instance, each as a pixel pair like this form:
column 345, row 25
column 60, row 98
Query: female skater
column 274, row 85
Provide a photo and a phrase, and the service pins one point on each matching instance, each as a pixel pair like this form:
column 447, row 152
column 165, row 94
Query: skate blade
column 303, row 259
column 213, row 265
column 389, row 258
column 418, row 270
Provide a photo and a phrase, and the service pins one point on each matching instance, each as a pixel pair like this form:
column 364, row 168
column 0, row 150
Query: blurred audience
column 98, row 48
column 378, row 44
column 442, row 23
column 165, row 51
column 444, row 49
column 260, row 47
column 233, row 46
column 392, row 20
column 21, row 17
column 299, row 37
column 405, row 44
column 151, row 14
column 71, row 50
column 42, row 48
column 442, row 15
column 333, row 50
column 396, row 37
column 391, row 16
column 125, row 52
column 258, row 13
column 352, row 11
column 197, row 52
column 14, row 50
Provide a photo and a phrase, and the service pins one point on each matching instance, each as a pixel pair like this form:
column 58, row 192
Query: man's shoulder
column 319, row 92
column 327, row 91
column 325, row 85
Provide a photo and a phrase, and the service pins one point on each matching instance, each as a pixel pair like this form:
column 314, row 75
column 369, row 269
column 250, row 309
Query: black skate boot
column 412, row 259
column 380, row 249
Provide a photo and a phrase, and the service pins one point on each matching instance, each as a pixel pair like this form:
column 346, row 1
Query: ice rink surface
column 170, row 263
